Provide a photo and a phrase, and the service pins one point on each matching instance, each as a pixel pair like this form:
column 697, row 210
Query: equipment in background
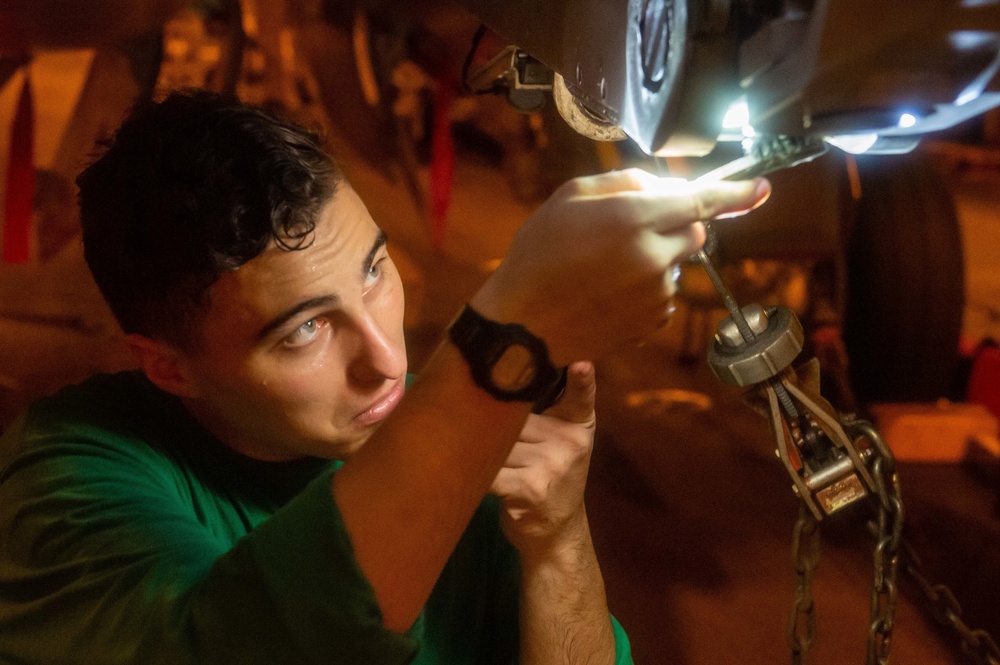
column 676, row 76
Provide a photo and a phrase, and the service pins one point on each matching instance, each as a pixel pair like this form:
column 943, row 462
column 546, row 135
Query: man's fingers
column 527, row 487
column 673, row 207
column 577, row 402
column 511, row 483
column 524, row 454
column 677, row 244
column 732, row 201
column 613, row 182
column 505, row 483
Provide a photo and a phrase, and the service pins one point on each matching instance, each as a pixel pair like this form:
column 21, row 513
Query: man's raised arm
column 586, row 273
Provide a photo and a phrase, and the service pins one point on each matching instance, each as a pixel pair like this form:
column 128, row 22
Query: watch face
column 514, row 369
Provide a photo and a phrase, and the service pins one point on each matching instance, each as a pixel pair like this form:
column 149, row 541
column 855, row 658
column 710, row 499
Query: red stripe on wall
column 20, row 192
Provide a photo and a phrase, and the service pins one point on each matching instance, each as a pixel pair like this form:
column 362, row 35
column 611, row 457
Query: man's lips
column 383, row 406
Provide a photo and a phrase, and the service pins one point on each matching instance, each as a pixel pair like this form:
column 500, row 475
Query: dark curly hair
column 187, row 189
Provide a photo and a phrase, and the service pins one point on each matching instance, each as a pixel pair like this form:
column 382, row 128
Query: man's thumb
column 577, row 402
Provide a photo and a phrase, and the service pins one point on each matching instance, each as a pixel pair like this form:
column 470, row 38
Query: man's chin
column 343, row 447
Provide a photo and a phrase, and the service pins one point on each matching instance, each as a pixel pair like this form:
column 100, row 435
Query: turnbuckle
column 754, row 348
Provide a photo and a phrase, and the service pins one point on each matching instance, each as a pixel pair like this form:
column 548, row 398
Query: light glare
column 737, row 116
column 855, row 144
column 970, row 94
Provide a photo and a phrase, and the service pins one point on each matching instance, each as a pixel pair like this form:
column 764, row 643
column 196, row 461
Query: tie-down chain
column 834, row 461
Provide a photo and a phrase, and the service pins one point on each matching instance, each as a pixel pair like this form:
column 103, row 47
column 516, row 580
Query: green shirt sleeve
column 623, row 648
column 104, row 563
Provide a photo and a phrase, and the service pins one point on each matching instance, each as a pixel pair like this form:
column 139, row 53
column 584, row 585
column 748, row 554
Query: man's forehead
column 332, row 259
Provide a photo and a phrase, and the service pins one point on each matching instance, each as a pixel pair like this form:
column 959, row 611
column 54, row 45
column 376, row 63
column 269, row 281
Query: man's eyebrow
column 379, row 243
column 320, row 301
column 292, row 312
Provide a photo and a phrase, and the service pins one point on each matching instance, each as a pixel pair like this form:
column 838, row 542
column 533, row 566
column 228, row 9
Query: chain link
column 889, row 531
column 805, row 557
column 891, row 551
column 978, row 645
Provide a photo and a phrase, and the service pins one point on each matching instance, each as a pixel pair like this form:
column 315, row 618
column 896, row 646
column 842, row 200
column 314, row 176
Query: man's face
column 303, row 351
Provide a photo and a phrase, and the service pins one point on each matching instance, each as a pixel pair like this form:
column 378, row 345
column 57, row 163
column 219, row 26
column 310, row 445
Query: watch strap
column 483, row 342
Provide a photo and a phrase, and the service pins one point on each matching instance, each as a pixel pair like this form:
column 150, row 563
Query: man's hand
column 591, row 269
column 542, row 482
column 588, row 271
column 563, row 609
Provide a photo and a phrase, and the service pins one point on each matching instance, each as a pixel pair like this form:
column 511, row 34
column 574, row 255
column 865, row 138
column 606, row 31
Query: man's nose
column 377, row 355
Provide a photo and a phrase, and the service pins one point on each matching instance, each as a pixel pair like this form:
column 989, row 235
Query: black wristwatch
column 506, row 360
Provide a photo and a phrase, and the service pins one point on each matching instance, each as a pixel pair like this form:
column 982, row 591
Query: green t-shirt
column 129, row 535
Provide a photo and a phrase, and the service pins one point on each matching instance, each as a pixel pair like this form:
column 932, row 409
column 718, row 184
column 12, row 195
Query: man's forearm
column 564, row 611
column 585, row 273
column 408, row 494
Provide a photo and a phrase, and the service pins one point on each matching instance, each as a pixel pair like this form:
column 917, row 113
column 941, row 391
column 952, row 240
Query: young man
column 261, row 491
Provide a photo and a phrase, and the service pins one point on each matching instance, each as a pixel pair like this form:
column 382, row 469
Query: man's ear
column 165, row 366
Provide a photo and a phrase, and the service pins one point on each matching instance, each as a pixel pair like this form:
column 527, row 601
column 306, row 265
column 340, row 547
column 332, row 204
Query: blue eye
column 375, row 271
column 304, row 334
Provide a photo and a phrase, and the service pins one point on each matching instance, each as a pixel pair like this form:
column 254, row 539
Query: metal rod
column 727, row 298
column 784, row 399
column 766, row 155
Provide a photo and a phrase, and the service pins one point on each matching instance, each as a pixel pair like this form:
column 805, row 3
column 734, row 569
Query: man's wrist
column 494, row 301
column 498, row 302
column 505, row 359
column 565, row 550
